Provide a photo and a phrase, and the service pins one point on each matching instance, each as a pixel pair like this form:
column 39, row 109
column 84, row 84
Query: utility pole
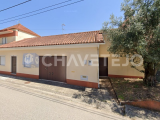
column 63, row 28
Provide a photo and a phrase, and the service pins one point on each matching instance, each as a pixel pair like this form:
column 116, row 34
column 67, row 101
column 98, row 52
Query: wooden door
column 60, row 69
column 55, row 72
column 43, row 70
column 103, row 66
column 14, row 64
column 51, row 70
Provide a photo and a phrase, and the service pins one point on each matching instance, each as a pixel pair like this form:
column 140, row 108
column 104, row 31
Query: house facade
column 77, row 58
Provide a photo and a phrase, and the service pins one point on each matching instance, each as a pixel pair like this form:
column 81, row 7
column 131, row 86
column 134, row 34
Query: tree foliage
column 137, row 33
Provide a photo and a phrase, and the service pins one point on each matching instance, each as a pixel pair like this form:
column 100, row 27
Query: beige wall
column 118, row 70
column 73, row 72
column 22, row 35
column 9, row 39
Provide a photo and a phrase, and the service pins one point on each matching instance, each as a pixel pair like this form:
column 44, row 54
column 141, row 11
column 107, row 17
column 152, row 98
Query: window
column 4, row 40
column 2, row 60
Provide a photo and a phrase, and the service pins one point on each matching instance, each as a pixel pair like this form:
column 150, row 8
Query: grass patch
column 135, row 86
column 121, row 97
column 134, row 89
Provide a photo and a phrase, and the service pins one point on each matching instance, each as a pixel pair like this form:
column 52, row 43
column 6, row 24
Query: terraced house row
column 81, row 57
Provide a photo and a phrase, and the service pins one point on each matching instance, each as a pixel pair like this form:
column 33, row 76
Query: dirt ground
column 134, row 89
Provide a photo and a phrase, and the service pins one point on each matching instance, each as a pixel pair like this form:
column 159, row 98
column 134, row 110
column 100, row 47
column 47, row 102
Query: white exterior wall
column 73, row 72
column 118, row 69
column 23, row 35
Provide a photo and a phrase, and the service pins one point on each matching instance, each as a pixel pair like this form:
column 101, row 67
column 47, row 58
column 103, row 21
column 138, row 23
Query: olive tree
column 138, row 32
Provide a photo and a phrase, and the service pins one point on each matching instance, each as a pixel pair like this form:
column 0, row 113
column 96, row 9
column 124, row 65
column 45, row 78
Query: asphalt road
column 18, row 104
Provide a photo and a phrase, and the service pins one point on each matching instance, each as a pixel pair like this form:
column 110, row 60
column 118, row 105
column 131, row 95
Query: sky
column 88, row 15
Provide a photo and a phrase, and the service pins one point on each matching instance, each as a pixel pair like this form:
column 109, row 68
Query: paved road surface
column 17, row 104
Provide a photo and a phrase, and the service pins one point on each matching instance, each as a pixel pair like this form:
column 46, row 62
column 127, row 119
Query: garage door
column 55, row 72
column 103, row 66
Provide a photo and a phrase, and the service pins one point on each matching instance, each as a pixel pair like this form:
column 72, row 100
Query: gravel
column 137, row 113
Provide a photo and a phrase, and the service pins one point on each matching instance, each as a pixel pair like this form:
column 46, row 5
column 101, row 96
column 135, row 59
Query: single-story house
column 23, row 53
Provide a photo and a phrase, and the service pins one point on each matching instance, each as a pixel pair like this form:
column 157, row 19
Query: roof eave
column 6, row 31
column 55, row 46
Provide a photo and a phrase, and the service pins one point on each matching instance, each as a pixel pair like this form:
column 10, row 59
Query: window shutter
column 4, row 40
column 2, row 60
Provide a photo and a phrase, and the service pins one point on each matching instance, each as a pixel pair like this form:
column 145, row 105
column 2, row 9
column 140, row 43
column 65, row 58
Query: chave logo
column 30, row 60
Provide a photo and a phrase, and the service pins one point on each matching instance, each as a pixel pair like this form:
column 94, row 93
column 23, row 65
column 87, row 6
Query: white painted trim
column 54, row 46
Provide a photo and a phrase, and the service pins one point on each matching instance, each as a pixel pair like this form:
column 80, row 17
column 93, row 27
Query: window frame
column 1, row 61
column 4, row 40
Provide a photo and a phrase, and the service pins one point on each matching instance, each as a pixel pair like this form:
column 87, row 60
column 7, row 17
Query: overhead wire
column 44, row 11
column 35, row 10
column 15, row 5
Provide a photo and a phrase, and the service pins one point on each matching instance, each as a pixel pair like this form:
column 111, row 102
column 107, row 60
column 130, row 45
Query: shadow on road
column 47, row 82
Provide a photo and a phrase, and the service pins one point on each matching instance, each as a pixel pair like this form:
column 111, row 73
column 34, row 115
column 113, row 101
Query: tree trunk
column 150, row 75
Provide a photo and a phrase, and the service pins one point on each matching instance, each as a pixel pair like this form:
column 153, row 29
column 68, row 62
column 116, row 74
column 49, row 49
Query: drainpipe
column 98, row 65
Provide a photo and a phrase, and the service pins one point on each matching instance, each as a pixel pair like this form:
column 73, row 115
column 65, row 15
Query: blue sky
column 88, row 15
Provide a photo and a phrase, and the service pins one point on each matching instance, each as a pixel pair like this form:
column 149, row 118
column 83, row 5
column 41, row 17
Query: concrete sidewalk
column 22, row 103
column 96, row 98
column 50, row 86
column 99, row 99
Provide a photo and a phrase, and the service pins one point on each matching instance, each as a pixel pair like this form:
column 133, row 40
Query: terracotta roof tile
column 21, row 28
column 65, row 39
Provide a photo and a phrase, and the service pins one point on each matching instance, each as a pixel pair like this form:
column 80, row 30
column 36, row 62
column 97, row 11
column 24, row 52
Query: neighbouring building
column 85, row 55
